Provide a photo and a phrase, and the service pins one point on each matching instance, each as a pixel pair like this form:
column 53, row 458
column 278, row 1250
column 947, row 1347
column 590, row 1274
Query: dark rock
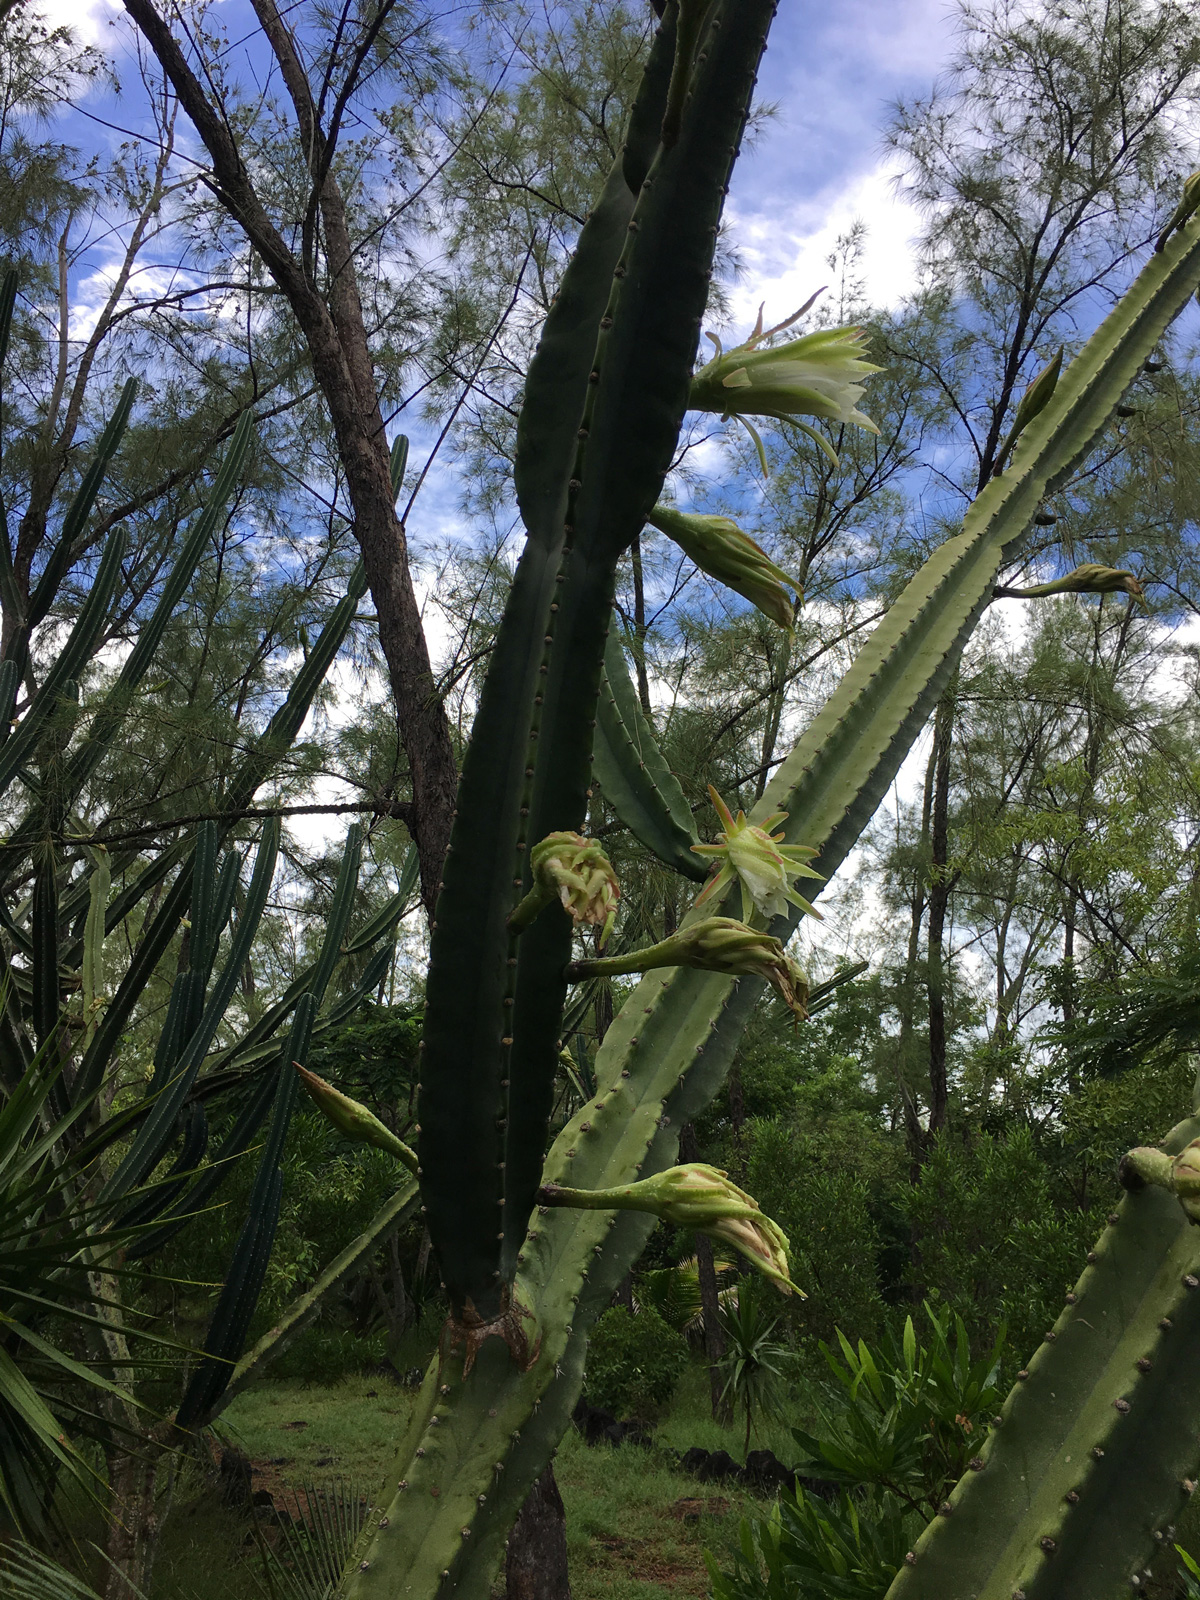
column 694, row 1459
column 262, row 1497
column 596, row 1424
column 823, row 1488
column 234, row 1476
column 764, row 1471
column 600, row 1427
column 719, row 1468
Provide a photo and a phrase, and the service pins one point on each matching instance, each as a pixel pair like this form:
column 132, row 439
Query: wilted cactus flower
column 719, row 547
column 760, row 861
column 574, row 870
column 716, row 944
column 818, row 375
column 703, row 1199
column 1090, row 578
column 353, row 1119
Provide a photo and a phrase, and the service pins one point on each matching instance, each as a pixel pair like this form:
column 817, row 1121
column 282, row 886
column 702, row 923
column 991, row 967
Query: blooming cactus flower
column 703, row 1199
column 818, row 375
column 760, row 861
column 575, row 870
column 719, row 547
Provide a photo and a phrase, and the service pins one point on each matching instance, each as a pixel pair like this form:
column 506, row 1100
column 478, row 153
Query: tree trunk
column 714, row 1339
column 335, row 335
column 939, row 899
column 710, row 1303
column 536, row 1566
column 133, row 1525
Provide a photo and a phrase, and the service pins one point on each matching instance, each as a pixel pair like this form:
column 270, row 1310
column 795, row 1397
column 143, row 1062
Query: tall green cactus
column 604, row 400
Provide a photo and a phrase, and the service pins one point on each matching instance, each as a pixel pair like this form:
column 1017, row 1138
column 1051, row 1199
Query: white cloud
column 784, row 251
column 87, row 19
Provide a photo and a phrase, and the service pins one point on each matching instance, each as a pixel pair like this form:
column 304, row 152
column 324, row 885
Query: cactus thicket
column 605, row 397
column 136, row 1175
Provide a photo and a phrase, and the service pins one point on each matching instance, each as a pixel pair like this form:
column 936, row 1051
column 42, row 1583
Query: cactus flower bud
column 1034, row 400
column 575, row 870
column 818, row 375
column 703, row 1199
column 353, row 1119
column 1090, row 578
column 760, row 861
column 1189, row 200
column 716, row 944
column 719, row 547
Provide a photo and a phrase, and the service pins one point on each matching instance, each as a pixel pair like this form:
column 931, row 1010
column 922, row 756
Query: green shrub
column 818, row 1187
column 909, row 1415
column 634, row 1362
column 806, row 1549
column 995, row 1242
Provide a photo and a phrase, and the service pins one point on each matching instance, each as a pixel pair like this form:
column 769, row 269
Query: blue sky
column 832, row 69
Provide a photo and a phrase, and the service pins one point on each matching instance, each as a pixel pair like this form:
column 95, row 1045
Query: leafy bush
column 816, row 1187
column 755, row 1364
column 1189, row 1573
column 910, row 1416
column 634, row 1362
column 674, row 1292
column 995, row 1241
column 806, row 1549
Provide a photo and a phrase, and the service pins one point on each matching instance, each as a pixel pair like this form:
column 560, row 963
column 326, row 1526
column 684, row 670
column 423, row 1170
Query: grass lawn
column 636, row 1526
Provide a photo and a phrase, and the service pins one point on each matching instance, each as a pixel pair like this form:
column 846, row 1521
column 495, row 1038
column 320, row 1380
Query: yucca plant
column 756, row 1364
column 531, row 1242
